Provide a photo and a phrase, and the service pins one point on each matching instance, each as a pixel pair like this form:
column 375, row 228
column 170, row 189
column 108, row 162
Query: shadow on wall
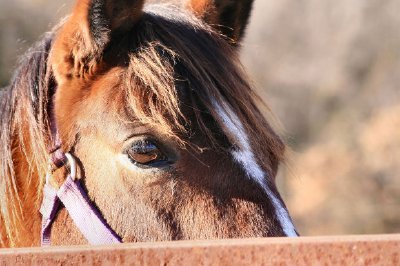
column 330, row 71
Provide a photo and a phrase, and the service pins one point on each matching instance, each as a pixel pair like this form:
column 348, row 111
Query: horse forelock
column 179, row 63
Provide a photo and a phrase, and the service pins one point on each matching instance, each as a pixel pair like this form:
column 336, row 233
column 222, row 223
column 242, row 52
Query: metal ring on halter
column 72, row 168
column 72, row 165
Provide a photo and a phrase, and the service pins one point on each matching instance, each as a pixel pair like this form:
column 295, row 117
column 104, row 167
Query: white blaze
column 244, row 155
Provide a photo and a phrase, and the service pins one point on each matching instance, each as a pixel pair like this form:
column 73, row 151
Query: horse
column 146, row 114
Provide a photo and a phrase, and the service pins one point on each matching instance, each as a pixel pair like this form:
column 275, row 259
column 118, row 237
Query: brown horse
column 153, row 104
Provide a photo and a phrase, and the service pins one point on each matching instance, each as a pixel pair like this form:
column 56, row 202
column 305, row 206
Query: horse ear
column 230, row 17
column 82, row 39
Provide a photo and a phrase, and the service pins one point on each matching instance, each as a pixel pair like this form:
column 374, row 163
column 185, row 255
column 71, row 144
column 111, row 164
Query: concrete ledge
column 338, row 250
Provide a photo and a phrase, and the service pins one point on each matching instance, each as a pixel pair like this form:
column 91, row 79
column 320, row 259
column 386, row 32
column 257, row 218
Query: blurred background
column 330, row 71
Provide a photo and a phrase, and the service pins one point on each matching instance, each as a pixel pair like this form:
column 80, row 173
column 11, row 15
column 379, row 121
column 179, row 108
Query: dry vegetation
column 330, row 71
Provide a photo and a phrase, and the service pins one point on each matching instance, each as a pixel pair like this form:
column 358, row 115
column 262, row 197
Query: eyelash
column 146, row 153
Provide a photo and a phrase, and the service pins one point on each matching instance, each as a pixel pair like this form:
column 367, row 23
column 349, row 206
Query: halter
column 85, row 216
column 74, row 198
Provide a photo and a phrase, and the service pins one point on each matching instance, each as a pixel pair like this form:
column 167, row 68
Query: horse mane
column 166, row 45
column 23, row 122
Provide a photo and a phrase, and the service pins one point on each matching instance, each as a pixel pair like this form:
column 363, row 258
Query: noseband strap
column 85, row 216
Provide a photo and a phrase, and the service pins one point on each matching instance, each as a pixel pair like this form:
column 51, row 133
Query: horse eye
column 146, row 152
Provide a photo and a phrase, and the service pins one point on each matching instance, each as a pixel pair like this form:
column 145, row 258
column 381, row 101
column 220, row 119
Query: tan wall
column 366, row 250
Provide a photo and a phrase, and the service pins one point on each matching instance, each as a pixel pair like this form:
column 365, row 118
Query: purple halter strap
column 71, row 194
column 86, row 217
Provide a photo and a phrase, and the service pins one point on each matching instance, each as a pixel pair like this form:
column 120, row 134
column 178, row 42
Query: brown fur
column 155, row 74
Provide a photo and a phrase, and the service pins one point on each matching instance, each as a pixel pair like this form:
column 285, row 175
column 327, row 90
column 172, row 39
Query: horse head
column 153, row 104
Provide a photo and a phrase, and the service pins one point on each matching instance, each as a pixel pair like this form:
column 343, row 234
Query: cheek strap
column 85, row 216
